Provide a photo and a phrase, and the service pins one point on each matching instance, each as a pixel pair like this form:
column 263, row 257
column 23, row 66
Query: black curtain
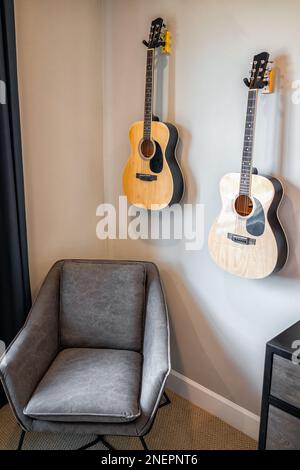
column 15, row 299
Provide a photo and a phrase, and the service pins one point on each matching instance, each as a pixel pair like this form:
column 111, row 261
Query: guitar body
column 156, row 182
column 254, row 246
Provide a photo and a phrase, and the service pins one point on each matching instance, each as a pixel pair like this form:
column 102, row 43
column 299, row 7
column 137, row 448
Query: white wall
column 220, row 323
column 60, row 83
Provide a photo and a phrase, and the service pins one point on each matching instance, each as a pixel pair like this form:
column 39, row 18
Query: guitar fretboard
column 148, row 94
column 246, row 169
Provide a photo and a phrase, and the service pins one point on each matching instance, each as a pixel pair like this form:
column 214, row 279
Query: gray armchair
column 93, row 356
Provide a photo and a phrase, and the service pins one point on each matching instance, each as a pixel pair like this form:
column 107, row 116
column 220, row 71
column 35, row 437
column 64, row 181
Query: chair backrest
column 102, row 305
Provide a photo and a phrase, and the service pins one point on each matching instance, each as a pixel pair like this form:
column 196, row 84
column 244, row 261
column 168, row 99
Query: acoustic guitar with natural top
column 152, row 178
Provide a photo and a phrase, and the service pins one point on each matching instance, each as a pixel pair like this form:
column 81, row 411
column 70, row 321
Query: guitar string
column 145, row 105
column 150, row 58
column 251, row 97
column 152, row 94
column 239, row 221
column 248, row 106
column 254, row 98
column 251, row 132
column 237, row 205
column 237, row 217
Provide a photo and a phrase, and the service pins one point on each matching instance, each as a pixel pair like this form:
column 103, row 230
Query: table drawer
column 283, row 432
column 286, row 380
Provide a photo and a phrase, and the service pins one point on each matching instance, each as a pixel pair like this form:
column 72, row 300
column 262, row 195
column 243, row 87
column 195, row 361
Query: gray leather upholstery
column 102, row 306
column 89, row 385
column 87, row 360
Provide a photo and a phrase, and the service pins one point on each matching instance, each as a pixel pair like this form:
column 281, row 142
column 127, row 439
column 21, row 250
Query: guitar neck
column 148, row 94
column 246, row 169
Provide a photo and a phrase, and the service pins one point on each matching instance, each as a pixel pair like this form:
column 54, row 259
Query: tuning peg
column 145, row 43
column 246, row 81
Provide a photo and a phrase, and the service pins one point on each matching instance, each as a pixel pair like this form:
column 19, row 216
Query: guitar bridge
column 145, row 177
column 241, row 239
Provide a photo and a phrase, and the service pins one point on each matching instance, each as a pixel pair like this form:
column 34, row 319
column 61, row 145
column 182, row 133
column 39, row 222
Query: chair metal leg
column 96, row 441
column 107, row 444
column 21, row 440
column 145, row 447
column 166, row 402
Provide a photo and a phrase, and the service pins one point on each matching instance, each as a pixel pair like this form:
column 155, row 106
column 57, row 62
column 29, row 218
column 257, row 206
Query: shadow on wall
column 166, row 67
column 290, row 209
column 196, row 349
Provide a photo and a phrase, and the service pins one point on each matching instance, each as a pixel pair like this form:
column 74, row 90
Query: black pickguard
column 255, row 224
column 157, row 161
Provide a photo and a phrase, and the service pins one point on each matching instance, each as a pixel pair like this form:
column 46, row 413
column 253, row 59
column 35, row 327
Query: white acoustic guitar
column 247, row 238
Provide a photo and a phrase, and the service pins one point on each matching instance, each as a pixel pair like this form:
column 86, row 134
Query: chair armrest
column 34, row 348
column 156, row 349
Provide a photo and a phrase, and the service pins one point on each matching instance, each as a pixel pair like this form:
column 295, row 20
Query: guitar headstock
column 259, row 74
column 155, row 35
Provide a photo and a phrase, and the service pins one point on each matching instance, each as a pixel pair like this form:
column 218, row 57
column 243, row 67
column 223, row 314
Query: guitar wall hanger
column 166, row 46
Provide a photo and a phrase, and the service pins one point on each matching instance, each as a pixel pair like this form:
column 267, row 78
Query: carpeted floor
column 180, row 425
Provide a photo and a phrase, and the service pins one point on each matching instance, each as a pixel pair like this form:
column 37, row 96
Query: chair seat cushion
column 90, row 385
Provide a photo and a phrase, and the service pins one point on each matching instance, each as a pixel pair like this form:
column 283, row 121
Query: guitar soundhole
column 147, row 148
column 243, row 205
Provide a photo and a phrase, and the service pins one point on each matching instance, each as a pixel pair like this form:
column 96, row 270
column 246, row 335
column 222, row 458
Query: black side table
column 280, row 411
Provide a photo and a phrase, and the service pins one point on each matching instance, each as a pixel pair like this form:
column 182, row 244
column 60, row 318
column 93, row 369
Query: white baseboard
column 233, row 414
